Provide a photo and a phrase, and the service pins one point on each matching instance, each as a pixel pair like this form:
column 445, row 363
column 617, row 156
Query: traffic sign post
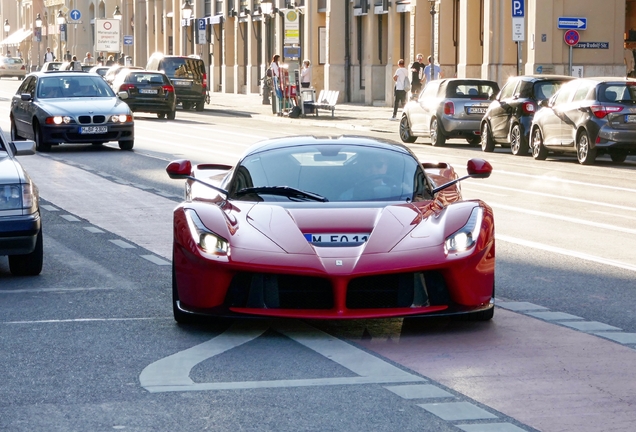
column 518, row 27
column 571, row 37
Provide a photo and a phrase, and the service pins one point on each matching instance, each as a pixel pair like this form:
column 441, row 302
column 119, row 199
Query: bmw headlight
column 17, row 196
column 207, row 240
column 466, row 237
column 58, row 120
column 120, row 118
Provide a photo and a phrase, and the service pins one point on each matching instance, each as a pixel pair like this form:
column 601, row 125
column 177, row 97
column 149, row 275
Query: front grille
column 275, row 291
column 98, row 119
column 397, row 291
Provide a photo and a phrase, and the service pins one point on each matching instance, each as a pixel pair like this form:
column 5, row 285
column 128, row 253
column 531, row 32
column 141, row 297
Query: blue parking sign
column 201, row 23
column 518, row 8
column 128, row 40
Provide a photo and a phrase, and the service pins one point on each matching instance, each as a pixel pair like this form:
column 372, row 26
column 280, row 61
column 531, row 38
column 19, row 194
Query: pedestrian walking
column 110, row 61
column 401, row 78
column 277, row 95
column 417, row 74
column 305, row 74
column 75, row 64
column 437, row 72
column 89, row 60
column 48, row 55
column 68, row 56
column 100, row 58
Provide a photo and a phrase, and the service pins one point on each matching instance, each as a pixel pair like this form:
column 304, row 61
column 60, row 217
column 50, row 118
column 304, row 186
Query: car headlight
column 17, row 196
column 121, row 118
column 466, row 237
column 206, row 239
column 57, row 120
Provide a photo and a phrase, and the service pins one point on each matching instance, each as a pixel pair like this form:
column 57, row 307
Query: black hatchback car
column 588, row 117
column 146, row 91
column 508, row 119
column 188, row 76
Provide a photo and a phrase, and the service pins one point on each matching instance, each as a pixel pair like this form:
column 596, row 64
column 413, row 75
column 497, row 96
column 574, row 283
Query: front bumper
column 58, row 134
column 18, row 234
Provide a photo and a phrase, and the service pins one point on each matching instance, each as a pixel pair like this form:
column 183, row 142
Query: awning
column 16, row 38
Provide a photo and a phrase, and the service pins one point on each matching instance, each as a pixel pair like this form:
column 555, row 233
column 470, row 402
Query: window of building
column 322, row 5
column 218, row 7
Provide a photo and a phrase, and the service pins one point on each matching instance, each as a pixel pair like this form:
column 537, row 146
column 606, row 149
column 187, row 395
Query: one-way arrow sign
column 572, row 23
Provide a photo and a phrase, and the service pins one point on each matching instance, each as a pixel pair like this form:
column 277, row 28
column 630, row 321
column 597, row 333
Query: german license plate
column 148, row 91
column 181, row 83
column 630, row 118
column 337, row 238
column 93, row 129
column 476, row 110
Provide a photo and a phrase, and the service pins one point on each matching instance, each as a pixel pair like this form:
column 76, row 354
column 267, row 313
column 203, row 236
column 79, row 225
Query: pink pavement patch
column 546, row 376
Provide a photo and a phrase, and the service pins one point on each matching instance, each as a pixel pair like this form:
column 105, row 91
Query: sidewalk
column 348, row 116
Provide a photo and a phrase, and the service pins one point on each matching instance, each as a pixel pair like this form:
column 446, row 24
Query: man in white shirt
column 400, row 77
column 437, row 72
column 89, row 60
column 48, row 55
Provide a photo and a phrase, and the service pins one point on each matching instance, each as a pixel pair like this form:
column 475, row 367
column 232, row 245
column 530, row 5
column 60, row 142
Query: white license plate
column 337, row 238
column 181, row 83
column 148, row 91
column 630, row 118
column 93, row 129
column 476, row 110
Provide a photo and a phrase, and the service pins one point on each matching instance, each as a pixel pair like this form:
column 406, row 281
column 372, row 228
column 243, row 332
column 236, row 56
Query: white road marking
column 566, row 252
column 45, row 290
column 155, row 260
column 562, row 218
column 83, row 320
column 560, row 180
column 172, row 373
column 122, row 244
column 613, row 215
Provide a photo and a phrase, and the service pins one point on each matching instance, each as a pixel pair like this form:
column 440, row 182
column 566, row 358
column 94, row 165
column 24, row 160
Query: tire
column 186, row 105
column 487, row 142
column 539, row 152
column 172, row 115
column 405, row 131
column 28, row 264
column 14, row 132
column 161, row 115
column 126, row 145
column 518, row 143
column 200, row 105
column 179, row 316
column 618, row 157
column 585, row 154
column 40, row 144
column 437, row 136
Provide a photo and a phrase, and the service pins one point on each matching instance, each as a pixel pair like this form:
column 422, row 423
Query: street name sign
column 576, row 23
column 592, row 45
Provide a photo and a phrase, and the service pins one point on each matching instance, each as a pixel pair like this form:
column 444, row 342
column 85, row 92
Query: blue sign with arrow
column 518, row 8
column 75, row 15
column 572, row 23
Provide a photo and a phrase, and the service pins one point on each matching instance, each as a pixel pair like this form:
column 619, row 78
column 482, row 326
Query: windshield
column 73, row 86
column 617, row 92
column 335, row 172
column 471, row 89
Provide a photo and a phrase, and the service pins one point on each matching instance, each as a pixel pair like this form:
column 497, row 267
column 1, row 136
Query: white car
column 12, row 67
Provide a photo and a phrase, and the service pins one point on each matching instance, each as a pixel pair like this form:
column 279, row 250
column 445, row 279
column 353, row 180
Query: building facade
column 353, row 45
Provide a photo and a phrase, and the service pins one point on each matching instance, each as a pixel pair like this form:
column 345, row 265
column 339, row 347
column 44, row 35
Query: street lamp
column 432, row 65
column 117, row 13
column 38, row 29
column 186, row 14
column 7, row 29
column 61, row 20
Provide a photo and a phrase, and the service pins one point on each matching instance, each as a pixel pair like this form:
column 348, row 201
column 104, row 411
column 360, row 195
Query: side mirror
column 23, row 148
column 122, row 95
column 179, row 169
column 25, row 97
column 478, row 168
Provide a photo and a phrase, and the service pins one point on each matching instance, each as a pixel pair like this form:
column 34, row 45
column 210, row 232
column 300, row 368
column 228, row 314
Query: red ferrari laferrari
column 331, row 228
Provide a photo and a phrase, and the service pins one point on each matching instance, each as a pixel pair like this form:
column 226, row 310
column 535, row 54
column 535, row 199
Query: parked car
column 588, row 117
column 448, row 108
column 12, row 67
column 331, row 228
column 508, row 118
column 99, row 70
column 146, row 91
column 51, row 66
column 188, row 76
column 20, row 222
column 70, row 107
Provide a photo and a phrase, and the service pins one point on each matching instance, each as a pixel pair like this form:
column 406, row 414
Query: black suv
column 187, row 74
column 507, row 121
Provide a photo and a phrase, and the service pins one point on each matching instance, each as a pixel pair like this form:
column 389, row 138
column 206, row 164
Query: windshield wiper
column 285, row 191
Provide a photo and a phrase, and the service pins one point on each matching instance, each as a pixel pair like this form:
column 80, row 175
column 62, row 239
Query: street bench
column 327, row 100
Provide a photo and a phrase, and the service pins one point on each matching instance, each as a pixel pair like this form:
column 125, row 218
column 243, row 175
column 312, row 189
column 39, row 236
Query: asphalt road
column 91, row 345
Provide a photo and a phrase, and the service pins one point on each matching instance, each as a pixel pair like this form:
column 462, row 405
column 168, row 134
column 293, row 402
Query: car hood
column 77, row 106
column 10, row 171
